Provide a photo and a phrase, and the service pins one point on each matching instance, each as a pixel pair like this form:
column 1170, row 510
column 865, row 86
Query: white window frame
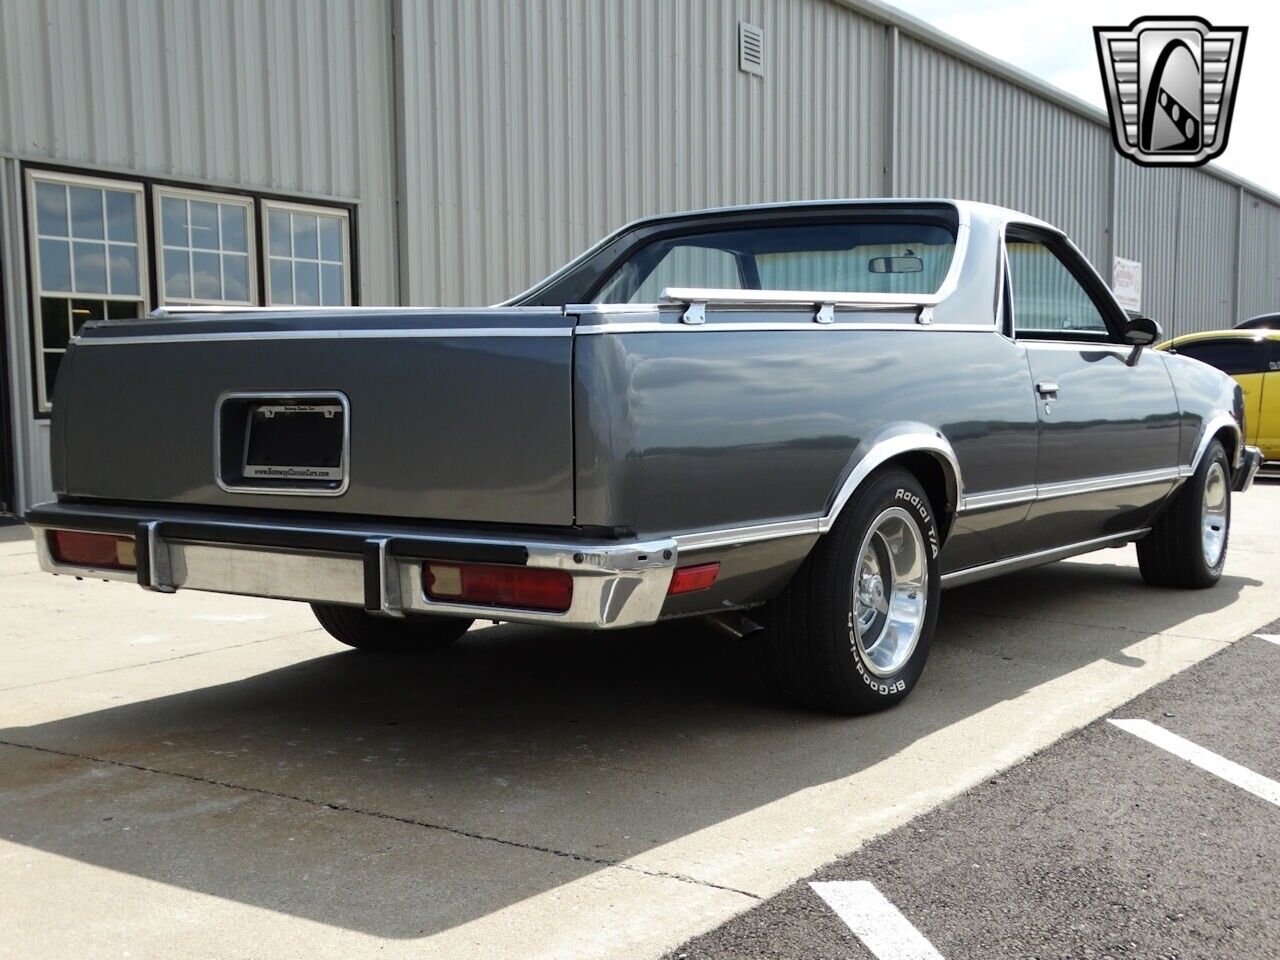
column 34, row 176
column 341, row 213
column 158, row 193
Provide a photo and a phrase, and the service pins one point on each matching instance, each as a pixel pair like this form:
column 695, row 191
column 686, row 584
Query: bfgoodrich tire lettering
column 822, row 642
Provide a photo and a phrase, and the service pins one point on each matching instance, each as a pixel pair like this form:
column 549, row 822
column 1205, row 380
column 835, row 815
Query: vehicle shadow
column 404, row 797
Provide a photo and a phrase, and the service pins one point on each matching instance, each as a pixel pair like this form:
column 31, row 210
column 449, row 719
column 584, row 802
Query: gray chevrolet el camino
column 800, row 421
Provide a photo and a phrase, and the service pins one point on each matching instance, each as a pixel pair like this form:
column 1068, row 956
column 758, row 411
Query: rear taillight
column 93, row 549
column 697, row 577
column 491, row 585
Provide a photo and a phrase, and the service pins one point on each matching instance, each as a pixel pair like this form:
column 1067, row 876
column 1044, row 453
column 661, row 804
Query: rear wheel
column 1187, row 545
column 851, row 632
column 379, row 634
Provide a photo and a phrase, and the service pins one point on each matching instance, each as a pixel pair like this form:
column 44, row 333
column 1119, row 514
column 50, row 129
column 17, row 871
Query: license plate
column 295, row 441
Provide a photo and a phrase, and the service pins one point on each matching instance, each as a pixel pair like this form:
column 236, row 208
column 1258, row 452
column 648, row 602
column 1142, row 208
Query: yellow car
column 1252, row 357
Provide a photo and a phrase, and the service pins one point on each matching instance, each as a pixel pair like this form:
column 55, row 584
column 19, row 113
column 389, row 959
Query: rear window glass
column 863, row 257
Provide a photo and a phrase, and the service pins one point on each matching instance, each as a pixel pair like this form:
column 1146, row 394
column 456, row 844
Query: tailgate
column 446, row 415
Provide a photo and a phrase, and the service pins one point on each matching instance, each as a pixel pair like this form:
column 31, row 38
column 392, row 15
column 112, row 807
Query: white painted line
column 1233, row 773
column 878, row 924
column 1269, row 637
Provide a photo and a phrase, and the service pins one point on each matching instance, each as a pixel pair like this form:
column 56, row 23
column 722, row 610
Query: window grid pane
column 306, row 260
column 205, row 249
column 88, row 262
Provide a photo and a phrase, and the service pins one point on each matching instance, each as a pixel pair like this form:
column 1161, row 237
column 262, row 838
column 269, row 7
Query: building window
column 206, row 243
column 308, row 255
column 88, row 262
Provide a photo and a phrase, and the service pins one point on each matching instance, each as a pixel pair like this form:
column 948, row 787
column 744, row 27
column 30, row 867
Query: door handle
column 1047, row 389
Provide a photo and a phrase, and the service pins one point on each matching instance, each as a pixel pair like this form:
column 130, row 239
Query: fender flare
column 1212, row 427
column 886, row 443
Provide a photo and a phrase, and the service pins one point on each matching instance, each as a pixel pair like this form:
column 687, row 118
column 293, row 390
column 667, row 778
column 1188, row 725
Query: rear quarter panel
column 681, row 431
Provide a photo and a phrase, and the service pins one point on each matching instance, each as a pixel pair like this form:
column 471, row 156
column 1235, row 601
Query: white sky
column 1054, row 41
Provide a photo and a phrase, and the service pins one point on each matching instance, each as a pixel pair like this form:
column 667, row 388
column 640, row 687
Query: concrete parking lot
column 211, row 776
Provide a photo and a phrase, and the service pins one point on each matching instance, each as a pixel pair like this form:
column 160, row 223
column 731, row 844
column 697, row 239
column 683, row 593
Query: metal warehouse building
column 454, row 151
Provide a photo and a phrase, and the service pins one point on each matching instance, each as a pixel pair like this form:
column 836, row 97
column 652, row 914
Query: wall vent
column 750, row 48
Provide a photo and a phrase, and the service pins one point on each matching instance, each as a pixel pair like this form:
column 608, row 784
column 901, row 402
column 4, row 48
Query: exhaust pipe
column 732, row 623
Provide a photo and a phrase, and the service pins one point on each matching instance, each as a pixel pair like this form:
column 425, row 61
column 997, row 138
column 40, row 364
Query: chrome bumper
column 615, row 584
column 1250, row 462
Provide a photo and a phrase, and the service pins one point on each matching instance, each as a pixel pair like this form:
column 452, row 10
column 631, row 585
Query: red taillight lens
column 698, row 577
column 491, row 585
column 93, row 549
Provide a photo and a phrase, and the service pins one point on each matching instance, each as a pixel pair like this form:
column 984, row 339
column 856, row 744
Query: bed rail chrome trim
column 908, row 325
column 347, row 334
column 959, row 578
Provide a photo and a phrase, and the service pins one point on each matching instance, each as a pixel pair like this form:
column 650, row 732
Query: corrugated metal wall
column 486, row 142
column 1148, row 202
column 963, row 132
column 30, row 436
column 531, row 130
column 1259, row 257
column 288, row 95
column 1206, row 270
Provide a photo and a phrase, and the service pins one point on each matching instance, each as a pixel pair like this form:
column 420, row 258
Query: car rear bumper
column 615, row 583
column 1250, row 461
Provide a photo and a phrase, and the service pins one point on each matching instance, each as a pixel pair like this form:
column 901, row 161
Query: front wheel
column 1187, row 545
column 375, row 633
column 851, row 632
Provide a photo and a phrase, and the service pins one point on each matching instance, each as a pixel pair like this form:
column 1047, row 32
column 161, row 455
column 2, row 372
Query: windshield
column 860, row 257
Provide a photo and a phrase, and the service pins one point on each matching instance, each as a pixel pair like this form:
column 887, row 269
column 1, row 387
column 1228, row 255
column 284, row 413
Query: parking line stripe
column 876, row 922
column 1269, row 637
column 1233, row 773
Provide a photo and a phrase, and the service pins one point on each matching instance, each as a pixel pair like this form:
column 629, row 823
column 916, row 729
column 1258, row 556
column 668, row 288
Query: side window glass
column 689, row 266
column 1273, row 363
column 1048, row 300
column 1233, row 356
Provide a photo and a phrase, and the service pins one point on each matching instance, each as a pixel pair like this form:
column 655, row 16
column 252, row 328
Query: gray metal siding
column 1206, row 269
column 32, row 479
column 1259, row 257
column 288, row 96
column 531, row 130
column 1148, row 204
column 963, row 132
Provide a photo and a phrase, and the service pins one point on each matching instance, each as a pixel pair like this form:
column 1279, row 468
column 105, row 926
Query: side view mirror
column 1140, row 332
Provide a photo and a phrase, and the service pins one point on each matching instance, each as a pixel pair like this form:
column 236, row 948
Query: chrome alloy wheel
column 1213, row 515
column 890, row 590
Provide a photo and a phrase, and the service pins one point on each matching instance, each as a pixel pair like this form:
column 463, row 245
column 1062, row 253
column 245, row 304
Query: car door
column 1109, row 429
column 1243, row 358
